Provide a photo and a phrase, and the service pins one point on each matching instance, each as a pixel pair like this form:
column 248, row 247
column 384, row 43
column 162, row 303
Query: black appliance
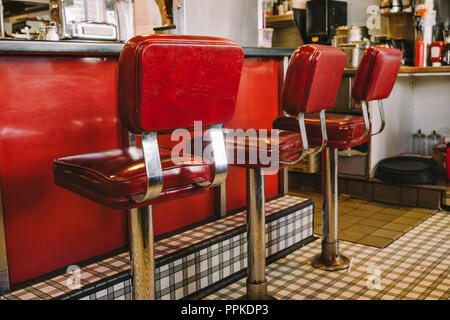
column 322, row 19
column 443, row 13
column 300, row 22
column 442, row 19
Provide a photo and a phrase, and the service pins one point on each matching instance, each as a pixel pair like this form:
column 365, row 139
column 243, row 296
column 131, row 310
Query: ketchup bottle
column 420, row 50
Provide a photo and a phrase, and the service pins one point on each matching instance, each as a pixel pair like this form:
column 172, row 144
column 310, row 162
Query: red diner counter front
column 60, row 99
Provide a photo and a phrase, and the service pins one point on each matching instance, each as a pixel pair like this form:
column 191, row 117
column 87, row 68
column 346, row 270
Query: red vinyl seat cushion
column 111, row 177
column 289, row 147
column 343, row 130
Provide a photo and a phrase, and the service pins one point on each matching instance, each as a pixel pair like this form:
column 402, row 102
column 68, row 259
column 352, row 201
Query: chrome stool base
column 142, row 253
column 338, row 262
column 256, row 245
column 257, row 292
column 329, row 259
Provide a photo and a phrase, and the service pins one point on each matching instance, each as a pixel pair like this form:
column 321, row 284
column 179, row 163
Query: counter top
column 91, row 48
column 408, row 70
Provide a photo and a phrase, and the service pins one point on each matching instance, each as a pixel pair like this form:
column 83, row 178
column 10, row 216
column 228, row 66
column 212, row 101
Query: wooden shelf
column 393, row 14
column 412, row 70
column 279, row 20
column 424, row 196
column 440, row 184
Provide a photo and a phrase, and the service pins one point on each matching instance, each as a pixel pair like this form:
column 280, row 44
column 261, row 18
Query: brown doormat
column 367, row 222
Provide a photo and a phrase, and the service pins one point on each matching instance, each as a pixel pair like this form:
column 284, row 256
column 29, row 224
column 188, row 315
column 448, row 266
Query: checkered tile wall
column 189, row 262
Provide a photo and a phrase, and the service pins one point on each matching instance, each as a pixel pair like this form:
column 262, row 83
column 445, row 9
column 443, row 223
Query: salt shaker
column 51, row 32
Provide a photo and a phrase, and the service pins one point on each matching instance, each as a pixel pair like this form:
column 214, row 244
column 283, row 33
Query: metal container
column 2, row 25
column 125, row 18
column 397, row 6
column 354, row 52
column 312, row 163
column 236, row 20
column 80, row 19
column 51, row 32
column 386, row 6
column 418, row 140
column 349, row 34
column 353, row 162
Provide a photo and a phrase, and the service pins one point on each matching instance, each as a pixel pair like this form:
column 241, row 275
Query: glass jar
column 433, row 139
column 418, row 143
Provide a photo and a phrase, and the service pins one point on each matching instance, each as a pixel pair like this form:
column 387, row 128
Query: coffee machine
column 322, row 19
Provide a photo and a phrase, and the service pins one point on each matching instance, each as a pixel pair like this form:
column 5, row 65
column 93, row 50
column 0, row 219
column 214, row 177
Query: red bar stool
column 374, row 80
column 311, row 84
column 165, row 83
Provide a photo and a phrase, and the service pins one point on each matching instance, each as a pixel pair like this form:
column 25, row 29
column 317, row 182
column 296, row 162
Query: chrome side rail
column 152, row 167
column 323, row 129
column 216, row 149
column 303, row 137
column 382, row 117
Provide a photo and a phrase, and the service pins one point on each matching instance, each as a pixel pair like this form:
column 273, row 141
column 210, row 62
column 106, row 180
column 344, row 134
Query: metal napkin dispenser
column 84, row 19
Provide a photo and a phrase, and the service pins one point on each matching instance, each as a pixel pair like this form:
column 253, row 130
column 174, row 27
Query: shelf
column 28, row 1
column 441, row 183
column 396, row 14
column 279, row 20
column 21, row 8
column 408, row 70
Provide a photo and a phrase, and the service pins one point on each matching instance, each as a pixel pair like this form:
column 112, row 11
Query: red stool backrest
column 170, row 81
column 376, row 74
column 312, row 79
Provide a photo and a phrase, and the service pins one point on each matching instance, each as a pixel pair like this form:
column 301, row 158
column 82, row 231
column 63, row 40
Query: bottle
column 433, row 139
column 447, row 49
column 447, row 162
column 420, row 51
column 280, row 8
column 275, row 9
column 437, row 53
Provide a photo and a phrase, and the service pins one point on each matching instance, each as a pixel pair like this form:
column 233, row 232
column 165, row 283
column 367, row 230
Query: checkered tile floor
column 416, row 266
column 283, row 234
column 370, row 223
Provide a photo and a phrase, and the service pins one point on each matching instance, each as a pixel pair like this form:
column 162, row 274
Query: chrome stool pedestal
column 142, row 253
column 256, row 240
column 330, row 259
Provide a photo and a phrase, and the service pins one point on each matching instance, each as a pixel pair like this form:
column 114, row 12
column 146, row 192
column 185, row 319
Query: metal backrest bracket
column 303, row 137
column 152, row 167
column 382, row 117
column 323, row 129
column 216, row 153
